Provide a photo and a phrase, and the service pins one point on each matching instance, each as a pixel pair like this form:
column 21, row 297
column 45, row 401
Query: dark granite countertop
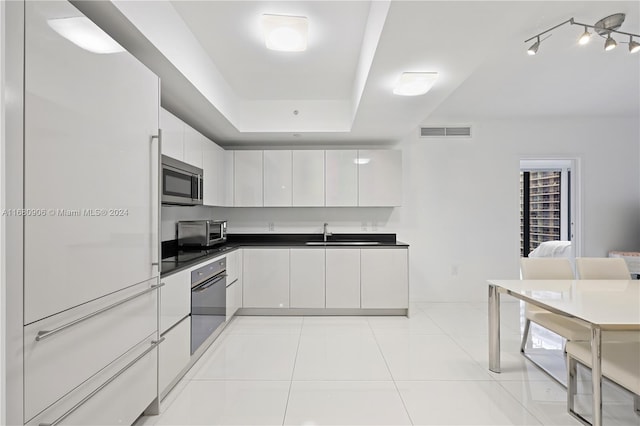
column 175, row 260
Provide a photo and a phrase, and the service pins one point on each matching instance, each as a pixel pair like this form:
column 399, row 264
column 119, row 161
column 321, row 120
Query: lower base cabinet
column 384, row 278
column 234, row 298
column 175, row 353
column 265, row 278
column 307, row 278
column 116, row 395
column 343, row 278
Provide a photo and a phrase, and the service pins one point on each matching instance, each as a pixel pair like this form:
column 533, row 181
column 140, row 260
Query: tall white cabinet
column 90, row 266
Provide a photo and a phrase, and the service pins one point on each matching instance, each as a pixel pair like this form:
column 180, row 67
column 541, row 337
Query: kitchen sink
column 342, row 243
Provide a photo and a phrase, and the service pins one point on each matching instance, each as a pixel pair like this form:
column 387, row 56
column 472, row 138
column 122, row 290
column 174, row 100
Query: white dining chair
column 602, row 268
column 547, row 268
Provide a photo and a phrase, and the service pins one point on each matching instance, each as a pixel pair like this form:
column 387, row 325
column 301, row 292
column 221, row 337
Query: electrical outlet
column 272, row 226
column 364, row 226
column 454, row 270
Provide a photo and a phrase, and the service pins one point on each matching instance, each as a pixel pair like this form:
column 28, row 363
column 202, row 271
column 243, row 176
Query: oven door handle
column 205, row 285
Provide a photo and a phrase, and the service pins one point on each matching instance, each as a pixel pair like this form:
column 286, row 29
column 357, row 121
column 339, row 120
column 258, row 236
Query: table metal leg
column 596, row 373
column 494, row 329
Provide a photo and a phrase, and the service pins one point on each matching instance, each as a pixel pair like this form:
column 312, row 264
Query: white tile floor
column 430, row 369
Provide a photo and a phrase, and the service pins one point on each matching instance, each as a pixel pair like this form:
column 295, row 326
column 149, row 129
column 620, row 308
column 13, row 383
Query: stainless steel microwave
column 201, row 233
column 181, row 183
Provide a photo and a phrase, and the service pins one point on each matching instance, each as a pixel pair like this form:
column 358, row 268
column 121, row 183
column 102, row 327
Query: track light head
column 534, row 48
column 585, row 37
column 634, row 46
column 610, row 44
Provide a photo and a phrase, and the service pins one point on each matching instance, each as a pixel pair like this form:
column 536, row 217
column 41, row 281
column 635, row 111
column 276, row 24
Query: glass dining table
column 599, row 304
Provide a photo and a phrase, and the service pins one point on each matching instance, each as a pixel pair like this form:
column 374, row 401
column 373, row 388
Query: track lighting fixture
column 610, row 44
column 585, row 37
column 604, row 28
column 534, row 47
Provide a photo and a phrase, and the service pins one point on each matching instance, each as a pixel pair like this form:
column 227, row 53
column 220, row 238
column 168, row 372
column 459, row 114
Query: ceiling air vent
column 464, row 131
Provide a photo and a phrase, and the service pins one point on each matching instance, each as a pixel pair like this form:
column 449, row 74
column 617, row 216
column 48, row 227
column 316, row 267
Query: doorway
column 549, row 208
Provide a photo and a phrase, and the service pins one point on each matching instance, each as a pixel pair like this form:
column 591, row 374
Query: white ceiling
column 218, row 76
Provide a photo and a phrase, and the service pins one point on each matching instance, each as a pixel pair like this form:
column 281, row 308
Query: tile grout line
column 404, row 405
column 295, row 360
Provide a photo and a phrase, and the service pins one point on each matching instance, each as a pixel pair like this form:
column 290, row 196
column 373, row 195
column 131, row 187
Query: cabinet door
column 307, row 278
column 193, row 146
column 343, row 278
column 234, row 298
column 87, row 150
column 172, row 135
column 385, row 282
column 55, row 365
column 341, row 178
column 233, row 265
column 308, row 178
column 213, row 174
column 379, row 178
column 277, row 178
column 247, row 177
column 175, row 353
column 175, row 299
column 120, row 402
column 228, row 178
column 265, row 278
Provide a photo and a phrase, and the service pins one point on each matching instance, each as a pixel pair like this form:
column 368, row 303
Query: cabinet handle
column 57, row 421
column 43, row 334
column 158, row 137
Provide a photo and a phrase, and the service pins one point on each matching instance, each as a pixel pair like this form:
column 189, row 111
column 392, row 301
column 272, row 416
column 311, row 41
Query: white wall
column 461, row 211
column 3, row 297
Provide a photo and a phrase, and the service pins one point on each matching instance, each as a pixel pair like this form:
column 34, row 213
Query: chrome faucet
column 326, row 234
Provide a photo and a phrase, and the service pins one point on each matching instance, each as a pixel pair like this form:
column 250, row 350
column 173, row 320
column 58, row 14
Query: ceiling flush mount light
column 604, row 28
column 415, row 83
column 285, row 33
column 82, row 32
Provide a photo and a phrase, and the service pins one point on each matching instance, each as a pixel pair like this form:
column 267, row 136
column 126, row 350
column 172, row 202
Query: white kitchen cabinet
column 341, row 178
column 384, row 278
column 172, row 135
column 175, row 353
column 234, row 282
column 213, row 174
column 56, row 364
column 194, row 143
column 234, row 299
column 119, row 402
column 247, row 177
column 343, row 278
column 228, row 178
column 307, row 278
column 265, row 278
column 308, row 178
column 234, row 265
column 277, row 178
column 379, row 178
column 87, row 148
column 175, row 299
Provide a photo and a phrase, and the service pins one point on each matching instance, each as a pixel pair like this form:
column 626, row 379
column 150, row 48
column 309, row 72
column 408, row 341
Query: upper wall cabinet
column 341, row 178
column 379, row 178
column 227, row 181
column 194, row 144
column 308, row 178
column 172, row 135
column 277, row 178
column 247, row 177
column 213, row 170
